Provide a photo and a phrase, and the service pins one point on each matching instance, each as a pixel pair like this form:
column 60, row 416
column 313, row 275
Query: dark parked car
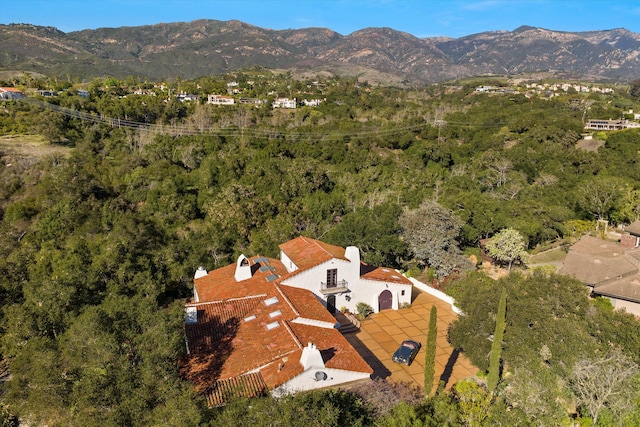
column 407, row 352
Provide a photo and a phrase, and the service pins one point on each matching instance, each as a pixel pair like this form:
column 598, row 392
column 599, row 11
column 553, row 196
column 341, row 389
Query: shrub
column 363, row 309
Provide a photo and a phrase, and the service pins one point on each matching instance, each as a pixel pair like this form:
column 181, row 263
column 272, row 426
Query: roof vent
column 320, row 376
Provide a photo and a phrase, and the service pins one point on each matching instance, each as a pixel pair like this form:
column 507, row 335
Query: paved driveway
column 381, row 333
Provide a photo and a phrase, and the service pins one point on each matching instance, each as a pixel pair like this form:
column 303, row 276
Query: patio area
column 381, row 333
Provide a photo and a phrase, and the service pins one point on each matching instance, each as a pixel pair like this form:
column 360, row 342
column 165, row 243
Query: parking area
column 381, row 333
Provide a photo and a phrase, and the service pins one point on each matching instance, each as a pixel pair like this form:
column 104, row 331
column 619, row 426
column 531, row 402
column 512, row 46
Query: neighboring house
column 631, row 236
column 187, row 97
column 221, row 100
column 284, row 103
column 265, row 325
column 253, row 101
column 611, row 124
column 609, row 269
column 10, row 93
column 312, row 102
column 47, row 93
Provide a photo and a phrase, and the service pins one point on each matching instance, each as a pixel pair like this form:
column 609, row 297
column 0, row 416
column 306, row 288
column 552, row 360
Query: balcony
column 334, row 288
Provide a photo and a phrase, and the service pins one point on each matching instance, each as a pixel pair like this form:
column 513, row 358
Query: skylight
column 250, row 318
column 272, row 325
column 270, row 301
column 275, row 314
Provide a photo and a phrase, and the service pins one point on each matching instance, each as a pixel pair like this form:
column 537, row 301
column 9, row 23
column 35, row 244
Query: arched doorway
column 331, row 304
column 385, row 300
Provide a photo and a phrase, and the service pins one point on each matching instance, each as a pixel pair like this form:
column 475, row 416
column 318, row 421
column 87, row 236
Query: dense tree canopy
column 103, row 226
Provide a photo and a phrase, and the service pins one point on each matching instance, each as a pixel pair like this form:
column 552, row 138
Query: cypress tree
column 430, row 351
column 496, row 346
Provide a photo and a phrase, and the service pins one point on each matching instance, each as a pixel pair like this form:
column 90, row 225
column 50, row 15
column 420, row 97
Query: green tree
column 431, row 232
column 609, row 382
column 473, row 402
column 599, row 195
column 496, row 346
column 507, row 246
column 430, row 351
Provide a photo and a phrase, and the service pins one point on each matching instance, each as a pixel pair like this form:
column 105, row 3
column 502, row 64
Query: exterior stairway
column 348, row 322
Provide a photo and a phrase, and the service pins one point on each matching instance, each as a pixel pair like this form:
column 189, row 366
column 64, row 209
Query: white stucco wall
column 628, row 306
column 307, row 381
column 361, row 290
column 288, row 264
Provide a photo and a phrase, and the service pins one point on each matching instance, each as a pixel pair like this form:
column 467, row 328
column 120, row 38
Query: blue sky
column 422, row 18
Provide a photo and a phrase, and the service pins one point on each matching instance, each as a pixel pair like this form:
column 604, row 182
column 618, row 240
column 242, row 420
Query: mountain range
column 207, row 47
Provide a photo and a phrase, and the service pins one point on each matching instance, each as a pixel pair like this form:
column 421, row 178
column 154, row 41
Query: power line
column 258, row 133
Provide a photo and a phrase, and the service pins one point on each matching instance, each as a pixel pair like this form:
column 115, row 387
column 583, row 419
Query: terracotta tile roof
column 306, row 252
column 336, row 351
column 228, row 341
column 385, row 275
column 249, row 385
column 231, row 337
column 220, row 284
column 306, row 304
column 9, row 89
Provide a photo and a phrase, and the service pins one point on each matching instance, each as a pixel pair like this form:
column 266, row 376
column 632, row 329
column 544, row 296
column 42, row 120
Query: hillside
column 206, row 47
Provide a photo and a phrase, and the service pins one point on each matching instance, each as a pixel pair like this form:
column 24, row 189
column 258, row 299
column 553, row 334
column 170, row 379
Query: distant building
column 187, row 97
column 619, row 124
column 220, row 100
column 11, row 93
column 47, row 93
column 312, row 102
column 284, row 103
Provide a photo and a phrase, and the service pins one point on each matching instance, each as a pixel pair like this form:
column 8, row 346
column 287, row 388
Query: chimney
column 200, row 272
column 352, row 253
column 311, row 357
column 243, row 269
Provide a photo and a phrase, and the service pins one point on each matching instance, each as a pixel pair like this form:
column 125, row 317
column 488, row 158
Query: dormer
column 243, row 269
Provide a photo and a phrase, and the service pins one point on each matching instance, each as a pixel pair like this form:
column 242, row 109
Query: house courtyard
column 381, row 333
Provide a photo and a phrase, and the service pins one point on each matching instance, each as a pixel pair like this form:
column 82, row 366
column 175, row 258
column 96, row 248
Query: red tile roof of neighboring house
column 306, row 252
column 9, row 89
